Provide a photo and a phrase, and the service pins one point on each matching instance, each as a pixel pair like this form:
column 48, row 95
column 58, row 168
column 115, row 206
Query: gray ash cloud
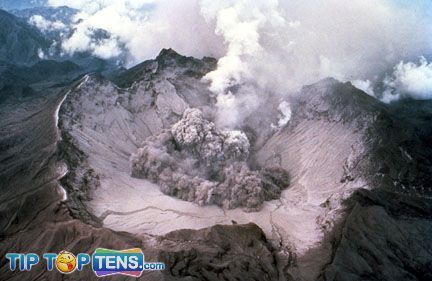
column 198, row 163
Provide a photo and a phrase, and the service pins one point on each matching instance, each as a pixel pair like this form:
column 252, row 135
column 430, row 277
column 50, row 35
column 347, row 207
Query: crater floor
column 108, row 124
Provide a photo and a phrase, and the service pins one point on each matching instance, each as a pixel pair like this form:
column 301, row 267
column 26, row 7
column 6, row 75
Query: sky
column 20, row 4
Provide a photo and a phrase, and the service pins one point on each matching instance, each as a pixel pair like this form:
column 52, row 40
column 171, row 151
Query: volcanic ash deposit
column 198, row 163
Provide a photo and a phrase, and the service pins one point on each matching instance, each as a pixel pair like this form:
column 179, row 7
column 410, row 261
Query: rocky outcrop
column 213, row 254
column 333, row 147
column 383, row 237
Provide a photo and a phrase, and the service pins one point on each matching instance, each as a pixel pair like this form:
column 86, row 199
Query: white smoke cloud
column 41, row 54
column 412, row 79
column 389, row 96
column 364, row 85
column 83, row 39
column 297, row 41
column 143, row 27
column 285, row 113
column 233, row 108
column 277, row 45
column 407, row 79
column 241, row 24
column 281, row 46
column 46, row 25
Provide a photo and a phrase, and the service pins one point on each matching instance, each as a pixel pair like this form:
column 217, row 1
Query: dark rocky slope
column 20, row 43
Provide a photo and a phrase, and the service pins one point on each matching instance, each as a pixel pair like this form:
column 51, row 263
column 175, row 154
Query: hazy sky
column 20, row 4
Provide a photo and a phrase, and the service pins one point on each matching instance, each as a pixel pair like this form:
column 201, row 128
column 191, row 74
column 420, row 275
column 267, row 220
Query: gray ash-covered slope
column 393, row 153
column 339, row 140
column 222, row 252
column 123, row 118
column 384, row 232
column 168, row 61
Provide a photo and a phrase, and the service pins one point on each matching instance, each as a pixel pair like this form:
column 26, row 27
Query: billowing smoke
column 411, row 79
column 285, row 112
column 212, row 147
column 282, row 46
column 364, row 85
column 140, row 28
column 45, row 24
column 263, row 46
column 241, row 24
column 407, row 79
column 196, row 162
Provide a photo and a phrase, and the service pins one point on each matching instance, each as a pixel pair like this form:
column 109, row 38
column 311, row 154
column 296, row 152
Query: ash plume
column 195, row 162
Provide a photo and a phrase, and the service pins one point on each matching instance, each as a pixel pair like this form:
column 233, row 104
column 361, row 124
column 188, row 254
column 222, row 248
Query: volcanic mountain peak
column 168, row 63
column 338, row 102
column 168, row 58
